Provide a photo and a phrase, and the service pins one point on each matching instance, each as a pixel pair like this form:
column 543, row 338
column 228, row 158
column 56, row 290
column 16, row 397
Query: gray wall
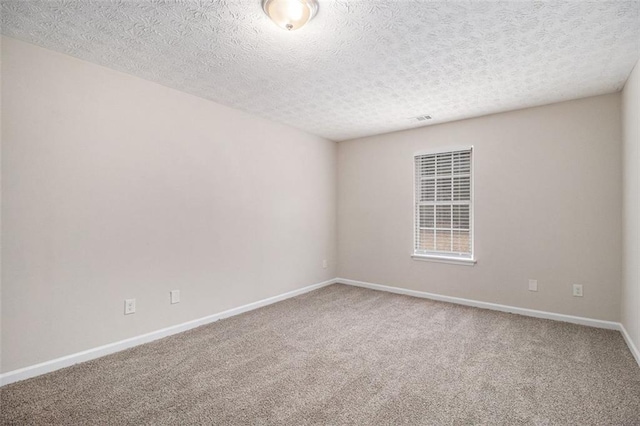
column 116, row 187
column 631, row 272
column 547, row 207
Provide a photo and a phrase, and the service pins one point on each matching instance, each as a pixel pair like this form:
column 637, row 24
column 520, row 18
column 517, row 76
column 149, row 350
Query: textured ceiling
column 360, row 67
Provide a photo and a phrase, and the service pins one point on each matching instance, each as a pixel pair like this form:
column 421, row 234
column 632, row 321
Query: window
column 443, row 206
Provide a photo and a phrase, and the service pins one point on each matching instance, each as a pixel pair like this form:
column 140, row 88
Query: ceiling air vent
column 421, row 118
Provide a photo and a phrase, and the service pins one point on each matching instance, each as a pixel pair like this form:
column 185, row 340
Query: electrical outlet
column 577, row 290
column 175, row 296
column 325, row 263
column 533, row 285
column 129, row 306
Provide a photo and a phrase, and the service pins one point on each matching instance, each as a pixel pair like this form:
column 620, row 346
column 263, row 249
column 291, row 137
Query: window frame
column 444, row 257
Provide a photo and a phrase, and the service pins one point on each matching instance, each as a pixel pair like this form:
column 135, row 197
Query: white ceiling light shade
column 290, row 14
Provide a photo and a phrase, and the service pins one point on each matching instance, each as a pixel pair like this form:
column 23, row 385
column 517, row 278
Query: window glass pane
column 443, row 216
column 462, row 188
column 462, row 162
column 461, row 242
column 443, row 240
column 443, row 189
column 426, row 166
column 426, row 217
column 426, row 240
column 443, row 163
column 461, row 217
column 428, row 190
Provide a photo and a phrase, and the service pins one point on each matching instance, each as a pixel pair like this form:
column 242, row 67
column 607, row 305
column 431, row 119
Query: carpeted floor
column 345, row 355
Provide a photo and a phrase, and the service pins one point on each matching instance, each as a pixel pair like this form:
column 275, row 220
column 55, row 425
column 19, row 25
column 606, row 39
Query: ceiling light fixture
column 290, row 14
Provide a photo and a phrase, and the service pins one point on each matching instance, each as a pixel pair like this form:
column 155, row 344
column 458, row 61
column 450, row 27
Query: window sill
column 444, row 259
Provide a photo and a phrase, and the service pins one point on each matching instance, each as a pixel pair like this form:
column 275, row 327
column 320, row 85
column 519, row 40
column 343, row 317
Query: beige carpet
column 345, row 355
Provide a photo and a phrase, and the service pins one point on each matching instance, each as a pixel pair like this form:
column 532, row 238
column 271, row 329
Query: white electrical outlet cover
column 129, row 306
column 175, row 296
column 577, row 290
column 533, row 285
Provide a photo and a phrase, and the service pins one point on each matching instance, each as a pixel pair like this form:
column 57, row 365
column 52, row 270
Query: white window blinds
column 443, row 210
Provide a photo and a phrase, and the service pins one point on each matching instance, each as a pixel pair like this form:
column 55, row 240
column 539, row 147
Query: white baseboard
column 610, row 325
column 486, row 305
column 632, row 347
column 69, row 360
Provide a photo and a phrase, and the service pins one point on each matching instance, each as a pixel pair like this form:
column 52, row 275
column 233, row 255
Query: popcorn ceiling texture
column 360, row 67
